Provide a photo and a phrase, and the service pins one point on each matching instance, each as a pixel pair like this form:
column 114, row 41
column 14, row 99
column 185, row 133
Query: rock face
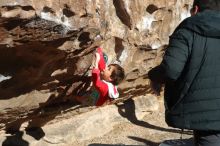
column 46, row 47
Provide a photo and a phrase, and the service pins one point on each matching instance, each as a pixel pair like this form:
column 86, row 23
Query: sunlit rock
column 47, row 48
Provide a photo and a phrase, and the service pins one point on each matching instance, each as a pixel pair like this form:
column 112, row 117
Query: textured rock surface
column 68, row 129
column 46, row 47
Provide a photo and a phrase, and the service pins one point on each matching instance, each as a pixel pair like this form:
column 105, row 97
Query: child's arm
column 101, row 61
column 100, row 86
column 97, row 82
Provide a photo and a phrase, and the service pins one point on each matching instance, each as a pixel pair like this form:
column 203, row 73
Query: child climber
column 105, row 80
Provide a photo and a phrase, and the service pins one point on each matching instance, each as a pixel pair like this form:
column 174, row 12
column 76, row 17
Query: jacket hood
column 206, row 23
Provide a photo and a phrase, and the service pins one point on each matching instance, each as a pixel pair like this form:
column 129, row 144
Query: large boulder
column 47, row 48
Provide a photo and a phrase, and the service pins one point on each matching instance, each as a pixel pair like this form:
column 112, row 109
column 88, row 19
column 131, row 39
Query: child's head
column 114, row 73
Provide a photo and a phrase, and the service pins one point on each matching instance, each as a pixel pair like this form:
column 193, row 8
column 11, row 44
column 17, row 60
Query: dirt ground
column 151, row 131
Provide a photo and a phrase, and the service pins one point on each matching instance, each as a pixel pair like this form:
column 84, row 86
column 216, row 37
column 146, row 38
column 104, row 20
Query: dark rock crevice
column 118, row 47
column 30, row 66
column 151, row 8
column 25, row 8
column 122, row 13
column 67, row 11
column 48, row 10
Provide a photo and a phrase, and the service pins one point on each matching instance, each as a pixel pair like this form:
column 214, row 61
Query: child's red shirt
column 107, row 91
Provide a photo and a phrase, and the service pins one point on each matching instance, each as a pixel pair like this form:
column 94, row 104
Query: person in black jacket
column 190, row 70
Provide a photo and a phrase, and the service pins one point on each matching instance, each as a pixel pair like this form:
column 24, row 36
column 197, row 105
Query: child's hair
column 117, row 75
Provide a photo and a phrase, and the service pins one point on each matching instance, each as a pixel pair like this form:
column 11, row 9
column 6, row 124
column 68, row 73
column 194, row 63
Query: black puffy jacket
column 191, row 72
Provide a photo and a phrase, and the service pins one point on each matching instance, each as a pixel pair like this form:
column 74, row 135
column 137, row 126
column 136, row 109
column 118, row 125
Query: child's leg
column 88, row 99
column 81, row 99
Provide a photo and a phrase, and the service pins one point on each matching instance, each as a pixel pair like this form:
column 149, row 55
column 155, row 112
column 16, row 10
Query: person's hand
column 156, row 87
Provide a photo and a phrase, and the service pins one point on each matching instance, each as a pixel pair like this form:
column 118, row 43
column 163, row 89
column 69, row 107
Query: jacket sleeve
column 98, row 83
column 175, row 57
column 101, row 64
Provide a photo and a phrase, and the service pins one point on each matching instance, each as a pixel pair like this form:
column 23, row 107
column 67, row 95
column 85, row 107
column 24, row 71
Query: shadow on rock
column 35, row 73
column 97, row 144
column 127, row 110
column 178, row 142
column 35, row 132
column 15, row 140
column 147, row 142
column 39, row 117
